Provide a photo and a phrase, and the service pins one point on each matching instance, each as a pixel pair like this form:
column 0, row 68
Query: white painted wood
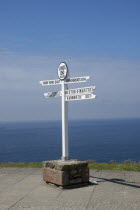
column 65, row 152
column 53, row 94
column 77, row 79
column 76, row 91
column 83, row 90
column 50, row 82
column 62, row 71
column 80, row 97
column 67, row 81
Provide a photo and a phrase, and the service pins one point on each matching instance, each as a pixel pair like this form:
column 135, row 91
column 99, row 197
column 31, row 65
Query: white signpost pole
column 62, row 74
column 65, row 152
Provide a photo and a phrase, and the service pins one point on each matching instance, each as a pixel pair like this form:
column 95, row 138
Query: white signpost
column 83, row 93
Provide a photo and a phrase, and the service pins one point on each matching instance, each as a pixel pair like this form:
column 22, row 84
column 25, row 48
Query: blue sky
column 96, row 38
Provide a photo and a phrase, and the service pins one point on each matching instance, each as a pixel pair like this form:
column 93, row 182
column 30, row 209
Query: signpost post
column 62, row 74
column 65, row 171
column 66, row 94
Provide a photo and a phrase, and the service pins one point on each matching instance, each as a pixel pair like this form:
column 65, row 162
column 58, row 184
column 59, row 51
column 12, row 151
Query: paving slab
column 40, row 198
column 116, row 190
column 107, row 193
column 132, row 190
column 22, row 171
column 24, row 189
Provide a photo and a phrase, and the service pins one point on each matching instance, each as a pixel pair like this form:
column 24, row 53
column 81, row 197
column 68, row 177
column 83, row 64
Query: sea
column 102, row 140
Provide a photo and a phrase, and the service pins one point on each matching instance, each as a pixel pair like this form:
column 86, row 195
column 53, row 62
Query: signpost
column 66, row 94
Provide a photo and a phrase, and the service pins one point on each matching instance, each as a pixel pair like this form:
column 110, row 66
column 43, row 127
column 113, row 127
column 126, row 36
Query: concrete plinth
column 64, row 173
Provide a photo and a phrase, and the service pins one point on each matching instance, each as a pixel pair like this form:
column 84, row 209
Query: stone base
column 64, row 173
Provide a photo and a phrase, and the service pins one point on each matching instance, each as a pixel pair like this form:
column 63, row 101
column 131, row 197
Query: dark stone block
column 65, row 173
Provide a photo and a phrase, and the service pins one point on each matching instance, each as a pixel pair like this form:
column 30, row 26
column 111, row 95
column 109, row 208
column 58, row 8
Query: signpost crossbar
column 80, row 91
column 67, row 81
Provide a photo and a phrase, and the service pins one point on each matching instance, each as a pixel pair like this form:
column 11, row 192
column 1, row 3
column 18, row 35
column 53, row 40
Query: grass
column 22, row 165
column 126, row 166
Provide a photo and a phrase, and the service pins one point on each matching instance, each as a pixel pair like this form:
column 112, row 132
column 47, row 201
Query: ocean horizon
column 101, row 140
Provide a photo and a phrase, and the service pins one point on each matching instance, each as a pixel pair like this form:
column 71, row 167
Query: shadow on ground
column 117, row 181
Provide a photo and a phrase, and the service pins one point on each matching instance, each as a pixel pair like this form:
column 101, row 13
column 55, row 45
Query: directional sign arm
column 52, row 94
column 50, row 82
column 77, row 79
column 69, row 80
column 71, row 92
column 83, row 90
column 80, row 97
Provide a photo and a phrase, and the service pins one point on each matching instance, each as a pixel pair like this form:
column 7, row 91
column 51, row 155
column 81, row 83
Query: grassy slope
column 92, row 165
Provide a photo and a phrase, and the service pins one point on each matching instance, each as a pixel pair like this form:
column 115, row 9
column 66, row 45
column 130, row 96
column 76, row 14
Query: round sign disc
column 62, row 71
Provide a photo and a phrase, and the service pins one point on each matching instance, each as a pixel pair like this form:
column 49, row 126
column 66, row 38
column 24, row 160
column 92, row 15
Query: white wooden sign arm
column 50, row 82
column 77, row 79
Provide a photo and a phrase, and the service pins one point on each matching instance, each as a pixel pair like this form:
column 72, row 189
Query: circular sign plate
column 62, row 71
